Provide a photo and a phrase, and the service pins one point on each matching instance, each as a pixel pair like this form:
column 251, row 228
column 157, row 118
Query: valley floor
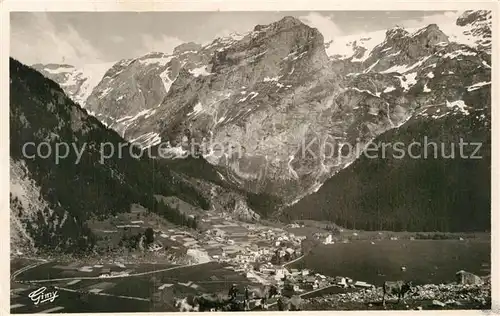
column 233, row 252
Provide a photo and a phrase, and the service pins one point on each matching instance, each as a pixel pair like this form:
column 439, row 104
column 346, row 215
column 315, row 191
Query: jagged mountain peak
column 284, row 37
column 432, row 27
column 254, row 86
column 396, row 32
column 473, row 16
column 78, row 83
column 187, row 47
column 288, row 22
column 430, row 35
column 154, row 55
column 473, row 28
column 284, row 23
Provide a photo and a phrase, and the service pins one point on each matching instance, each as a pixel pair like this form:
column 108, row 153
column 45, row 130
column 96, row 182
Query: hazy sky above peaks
column 80, row 38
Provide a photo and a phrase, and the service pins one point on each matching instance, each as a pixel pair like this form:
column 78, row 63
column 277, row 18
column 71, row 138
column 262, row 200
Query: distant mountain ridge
column 78, row 83
column 279, row 87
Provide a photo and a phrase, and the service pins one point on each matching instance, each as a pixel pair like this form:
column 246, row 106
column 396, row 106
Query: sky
column 80, row 38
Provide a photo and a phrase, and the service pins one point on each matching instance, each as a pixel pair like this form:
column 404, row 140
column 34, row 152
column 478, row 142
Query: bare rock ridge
column 473, row 17
column 278, row 94
column 447, row 86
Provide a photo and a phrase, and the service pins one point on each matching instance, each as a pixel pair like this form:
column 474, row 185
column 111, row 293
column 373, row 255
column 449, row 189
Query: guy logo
column 41, row 296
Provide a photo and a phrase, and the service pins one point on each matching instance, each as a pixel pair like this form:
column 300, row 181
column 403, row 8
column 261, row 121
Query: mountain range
column 273, row 98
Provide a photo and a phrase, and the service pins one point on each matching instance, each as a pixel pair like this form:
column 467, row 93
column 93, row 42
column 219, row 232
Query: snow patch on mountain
column 198, row 108
column 160, row 61
column 268, row 79
column 200, row 71
column 94, row 74
column 343, row 47
column 405, row 68
column 165, row 77
column 426, row 89
column 251, row 95
column 389, row 89
column 127, row 120
column 147, row 140
column 457, row 53
column 478, row 85
column 459, row 104
column 173, row 152
column 407, row 81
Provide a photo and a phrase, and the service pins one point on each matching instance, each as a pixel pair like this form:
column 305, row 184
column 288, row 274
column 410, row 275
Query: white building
column 328, row 240
column 362, row 284
column 341, row 281
column 281, row 273
column 315, row 284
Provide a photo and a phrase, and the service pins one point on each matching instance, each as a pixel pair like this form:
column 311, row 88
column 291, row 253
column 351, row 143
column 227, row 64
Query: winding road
column 26, row 268
column 109, row 277
column 290, row 262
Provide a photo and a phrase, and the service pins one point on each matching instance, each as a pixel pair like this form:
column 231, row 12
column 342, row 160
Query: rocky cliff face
column 251, row 100
column 433, row 185
column 476, row 29
column 279, row 104
column 446, row 87
column 273, row 96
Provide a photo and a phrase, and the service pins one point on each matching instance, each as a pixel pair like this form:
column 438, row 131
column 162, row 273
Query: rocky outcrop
column 271, row 108
column 476, row 28
column 416, row 193
column 259, row 97
column 468, row 278
column 427, row 297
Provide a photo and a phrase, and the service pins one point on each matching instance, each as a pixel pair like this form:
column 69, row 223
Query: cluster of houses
column 302, row 279
column 305, row 280
column 249, row 243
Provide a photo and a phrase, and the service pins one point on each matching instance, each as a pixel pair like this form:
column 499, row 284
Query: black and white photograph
column 250, row 160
